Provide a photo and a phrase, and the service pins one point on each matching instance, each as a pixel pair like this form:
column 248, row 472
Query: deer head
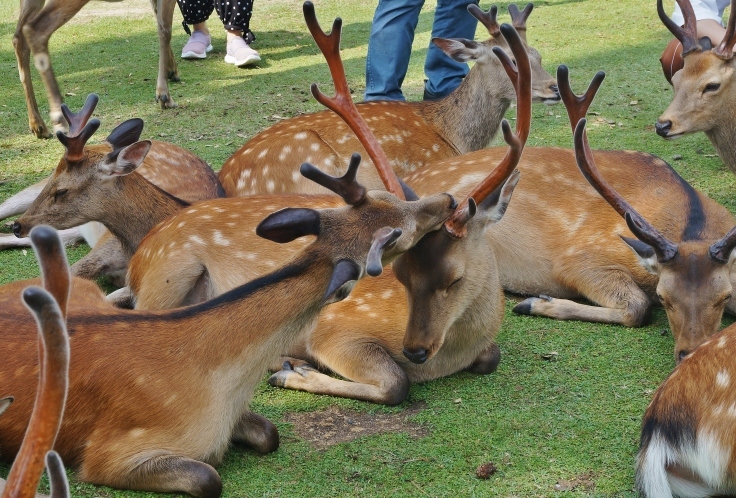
column 705, row 94
column 694, row 275
column 448, row 270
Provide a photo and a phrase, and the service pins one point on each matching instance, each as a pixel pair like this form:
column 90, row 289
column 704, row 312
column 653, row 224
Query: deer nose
column 16, row 229
column 555, row 89
column 682, row 355
column 416, row 356
column 663, row 128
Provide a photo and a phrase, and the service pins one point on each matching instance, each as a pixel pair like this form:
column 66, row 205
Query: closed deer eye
column 60, row 193
column 711, row 87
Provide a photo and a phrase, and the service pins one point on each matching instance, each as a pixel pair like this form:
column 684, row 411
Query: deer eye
column 453, row 283
column 711, row 87
column 60, row 193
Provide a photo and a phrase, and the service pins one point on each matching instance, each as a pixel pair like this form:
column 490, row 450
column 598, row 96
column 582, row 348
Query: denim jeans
column 391, row 38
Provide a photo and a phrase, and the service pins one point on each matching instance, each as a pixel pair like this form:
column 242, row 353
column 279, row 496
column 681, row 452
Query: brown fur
column 413, row 135
column 123, row 361
column 37, row 23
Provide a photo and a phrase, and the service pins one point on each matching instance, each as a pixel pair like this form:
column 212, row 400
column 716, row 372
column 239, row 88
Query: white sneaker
column 197, row 46
column 240, row 54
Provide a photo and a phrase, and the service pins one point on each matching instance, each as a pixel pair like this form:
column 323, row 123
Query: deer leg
column 37, row 33
column 28, row 9
column 621, row 301
column 487, row 361
column 165, row 474
column 166, row 62
column 256, row 432
column 68, row 237
column 374, row 375
column 107, row 258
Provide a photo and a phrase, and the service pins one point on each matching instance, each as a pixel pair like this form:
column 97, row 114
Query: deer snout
column 416, row 355
column 556, row 90
column 18, row 229
column 663, row 128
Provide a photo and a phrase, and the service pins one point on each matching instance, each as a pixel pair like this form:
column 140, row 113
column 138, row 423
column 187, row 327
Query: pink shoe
column 240, row 53
column 197, row 46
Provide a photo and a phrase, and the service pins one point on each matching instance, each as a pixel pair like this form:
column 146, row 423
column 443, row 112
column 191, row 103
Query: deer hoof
column 525, row 307
column 279, row 378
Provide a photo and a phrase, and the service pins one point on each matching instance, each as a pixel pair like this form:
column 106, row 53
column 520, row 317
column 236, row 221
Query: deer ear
column 384, row 239
column 345, row 271
column 127, row 160
column 289, row 224
column 460, row 49
column 57, row 475
column 126, row 133
column 494, row 206
column 5, row 403
column 644, row 253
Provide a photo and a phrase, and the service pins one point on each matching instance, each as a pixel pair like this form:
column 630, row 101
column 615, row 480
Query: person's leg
column 389, row 48
column 196, row 13
column 235, row 16
column 451, row 20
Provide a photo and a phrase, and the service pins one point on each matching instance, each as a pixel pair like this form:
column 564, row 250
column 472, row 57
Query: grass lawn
column 552, row 424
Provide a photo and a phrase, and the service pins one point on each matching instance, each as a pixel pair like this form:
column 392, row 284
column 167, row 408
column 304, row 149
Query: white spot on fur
column 220, row 240
column 181, row 224
column 196, row 239
column 723, row 379
column 301, row 135
column 270, row 186
column 263, row 154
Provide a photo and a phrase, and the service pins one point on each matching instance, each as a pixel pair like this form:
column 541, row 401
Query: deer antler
column 522, row 80
column 80, row 130
column 57, row 476
column 518, row 18
column 53, row 376
column 643, row 230
column 724, row 50
column 721, row 250
column 688, row 34
column 577, row 107
column 342, row 104
column 488, row 19
column 346, row 186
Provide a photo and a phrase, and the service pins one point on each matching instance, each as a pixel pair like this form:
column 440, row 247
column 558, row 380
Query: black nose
column 16, row 229
column 663, row 128
column 555, row 89
column 416, row 356
column 681, row 355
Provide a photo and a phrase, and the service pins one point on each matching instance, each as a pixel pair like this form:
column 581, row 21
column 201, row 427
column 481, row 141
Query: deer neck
column 723, row 139
column 469, row 117
column 146, row 205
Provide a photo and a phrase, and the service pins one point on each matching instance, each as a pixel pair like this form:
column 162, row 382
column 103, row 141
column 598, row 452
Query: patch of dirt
column 333, row 426
column 581, row 482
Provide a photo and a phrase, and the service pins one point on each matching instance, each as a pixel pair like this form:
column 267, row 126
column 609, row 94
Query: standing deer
column 705, row 93
column 37, row 22
column 80, row 189
column 48, row 306
column 126, row 362
column 412, row 135
column 687, row 444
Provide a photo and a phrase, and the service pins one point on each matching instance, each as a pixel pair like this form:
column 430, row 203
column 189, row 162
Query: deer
column 39, row 20
column 202, row 391
column 48, row 306
column 704, row 97
column 412, row 135
column 686, row 446
column 79, row 189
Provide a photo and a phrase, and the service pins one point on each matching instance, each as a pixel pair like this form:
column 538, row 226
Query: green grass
column 539, row 421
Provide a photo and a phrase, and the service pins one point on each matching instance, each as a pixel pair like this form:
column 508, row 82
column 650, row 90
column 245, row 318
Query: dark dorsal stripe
column 696, row 218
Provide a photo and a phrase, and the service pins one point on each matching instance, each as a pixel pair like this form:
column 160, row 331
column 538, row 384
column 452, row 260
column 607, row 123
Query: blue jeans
column 389, row 47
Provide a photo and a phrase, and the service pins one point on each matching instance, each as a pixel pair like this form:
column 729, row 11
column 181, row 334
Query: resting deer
column 37, row 22
column 412, row 135
column 687, row 445
column 705, row 93
column 201, row 392
column 583, row 248
column 80, row 189
column 48, row 306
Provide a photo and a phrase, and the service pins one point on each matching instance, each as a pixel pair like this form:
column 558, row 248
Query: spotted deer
column 616, row 258
column 94, row 183
column 412, row 135
column 37, row 22
column 201, row 392
column 51, row 367
column 705, row 94
column 687, row 446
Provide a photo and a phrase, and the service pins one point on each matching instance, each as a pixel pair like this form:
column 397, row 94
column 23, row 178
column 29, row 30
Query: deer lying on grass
column 686, row 264
column 48, row 306
column 413, row 135
column 705, row 93
column 37, row 22
column 687, row 443
column 81, row 188
column 201, row 392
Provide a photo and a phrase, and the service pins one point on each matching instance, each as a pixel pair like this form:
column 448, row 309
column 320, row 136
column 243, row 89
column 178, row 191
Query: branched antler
column 342, row 104
column 80, row 130
column 345, row 186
